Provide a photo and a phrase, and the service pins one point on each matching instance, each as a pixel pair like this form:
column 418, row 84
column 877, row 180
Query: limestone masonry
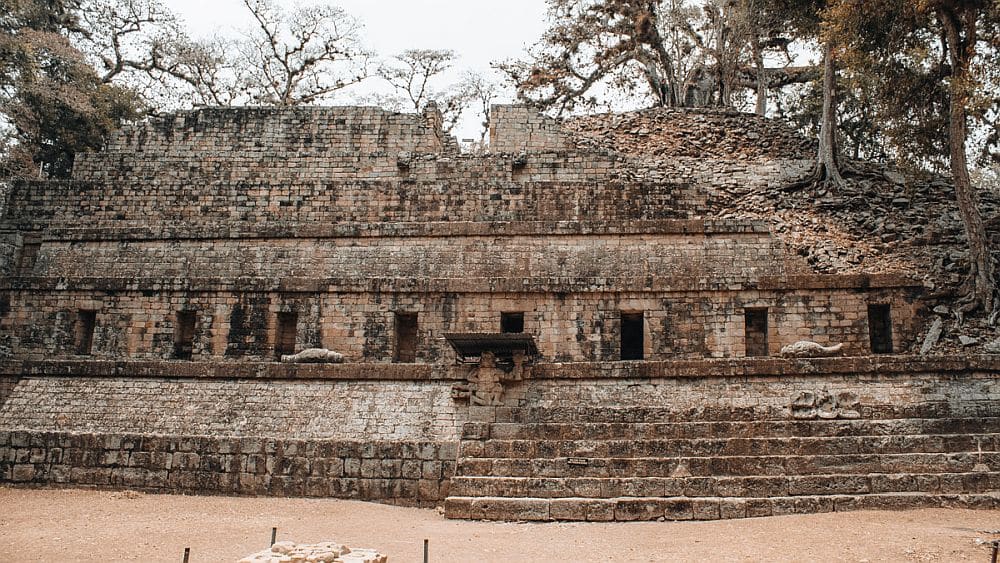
column 552, row 330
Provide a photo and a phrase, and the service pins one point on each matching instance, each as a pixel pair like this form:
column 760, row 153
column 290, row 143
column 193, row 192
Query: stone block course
column 133, row 464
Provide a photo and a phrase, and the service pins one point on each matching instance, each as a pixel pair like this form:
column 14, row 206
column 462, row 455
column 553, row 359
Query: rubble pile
column 699, row 133
column 884, row 221
column 327, row 552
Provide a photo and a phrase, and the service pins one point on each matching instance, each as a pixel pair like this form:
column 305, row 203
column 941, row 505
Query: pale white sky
column 480, row 32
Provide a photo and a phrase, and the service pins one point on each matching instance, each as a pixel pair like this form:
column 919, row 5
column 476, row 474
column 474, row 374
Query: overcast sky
column 480, row 32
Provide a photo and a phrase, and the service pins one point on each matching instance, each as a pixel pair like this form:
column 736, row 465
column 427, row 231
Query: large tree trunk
column 827, row 164
column 981, row 262
column 758, row 59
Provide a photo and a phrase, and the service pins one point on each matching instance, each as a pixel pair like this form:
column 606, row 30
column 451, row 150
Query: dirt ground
column 81, row 525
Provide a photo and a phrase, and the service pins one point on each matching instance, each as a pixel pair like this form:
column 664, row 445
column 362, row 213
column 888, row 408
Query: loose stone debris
column 885, row 220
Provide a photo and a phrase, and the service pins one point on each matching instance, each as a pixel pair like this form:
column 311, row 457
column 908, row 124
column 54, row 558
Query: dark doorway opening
column 512, row 323
column 86, row 322
column 755, row 332
column 632, row 336
column 880, row 329
column 184, row 335
column 406, row 338
column 29, row 255
column 285, row 334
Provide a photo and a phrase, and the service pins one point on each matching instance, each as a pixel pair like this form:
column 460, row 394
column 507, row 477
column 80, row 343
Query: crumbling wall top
column 519, row 128
column 249, row 137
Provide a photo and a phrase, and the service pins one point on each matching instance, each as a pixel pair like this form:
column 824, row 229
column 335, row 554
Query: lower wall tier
column 406, row 473
column 392, row 433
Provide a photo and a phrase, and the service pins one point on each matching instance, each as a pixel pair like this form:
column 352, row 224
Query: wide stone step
column 700, row 447
column 753, row 486
column 760, row 465
column 647, row 414
column 751, row 429
column 707, row 508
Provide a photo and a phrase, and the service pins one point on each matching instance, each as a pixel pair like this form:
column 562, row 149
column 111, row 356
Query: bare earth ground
column 82, row 525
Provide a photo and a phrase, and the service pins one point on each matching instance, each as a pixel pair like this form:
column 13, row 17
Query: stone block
column 706, row 509
column 681, row 509
column 429, row 489
column 431, row 470
column 568, row 509
column 627, row 510
column 801, row 505
column 732, row 508
column 23, row 472
column 156, row 479
column 458, row 507
column 510, row 509
column 828, row 485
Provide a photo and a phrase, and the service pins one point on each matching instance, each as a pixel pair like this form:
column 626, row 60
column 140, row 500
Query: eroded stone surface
column 325, row 552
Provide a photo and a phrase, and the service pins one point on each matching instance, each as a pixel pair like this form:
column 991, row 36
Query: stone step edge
column 474, row 426
column 808, row 439
column 810, row 476
column 625, row 509
column 462, row 458
column 890, row 483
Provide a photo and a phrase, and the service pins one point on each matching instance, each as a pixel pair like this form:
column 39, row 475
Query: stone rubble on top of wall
column 884, row 220
column 327, row 552
column 703, row 134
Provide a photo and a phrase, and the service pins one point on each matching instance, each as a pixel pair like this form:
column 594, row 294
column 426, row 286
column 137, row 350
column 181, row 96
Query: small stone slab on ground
column 326, row 552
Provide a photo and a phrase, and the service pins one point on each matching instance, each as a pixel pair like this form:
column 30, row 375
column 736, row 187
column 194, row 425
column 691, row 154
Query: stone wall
column 241, row 143
column 299, row 437
column 7, row 384
column 571, row 322
column 726, row 258
column 520, row 129
column 379, row 411
column 476, row 194
column 763, row 389
column 408, row 472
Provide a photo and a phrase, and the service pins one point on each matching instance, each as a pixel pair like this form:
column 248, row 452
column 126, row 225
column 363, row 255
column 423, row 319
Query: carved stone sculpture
column 808, row 405
column 313, row 356
column 808, row 349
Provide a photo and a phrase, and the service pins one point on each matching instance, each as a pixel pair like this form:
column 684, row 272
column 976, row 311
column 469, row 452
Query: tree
column 411, row 74
column 665, row 53
column 915, row 43
column 54, row 102
column 805, row 17
column 482, row 92
column 301, row 56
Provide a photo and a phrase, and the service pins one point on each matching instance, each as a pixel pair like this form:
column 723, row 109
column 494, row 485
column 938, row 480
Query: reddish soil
column 80, row 525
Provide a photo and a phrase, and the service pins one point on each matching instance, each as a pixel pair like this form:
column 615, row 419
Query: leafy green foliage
column 53, row 102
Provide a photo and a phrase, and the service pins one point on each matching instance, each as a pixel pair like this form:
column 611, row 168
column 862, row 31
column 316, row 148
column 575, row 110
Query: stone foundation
column 397, row 472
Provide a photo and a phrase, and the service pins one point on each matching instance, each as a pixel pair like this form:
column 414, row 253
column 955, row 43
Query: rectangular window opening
column 511, row 323
column 755, row 332
column 633, row 338
column 880, row 329
column 29, row 255
column 184, row 335
column 86, row 322
column 285, row 334
column 406, row 338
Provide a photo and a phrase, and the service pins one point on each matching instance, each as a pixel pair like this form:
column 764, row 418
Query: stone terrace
column 144, row 302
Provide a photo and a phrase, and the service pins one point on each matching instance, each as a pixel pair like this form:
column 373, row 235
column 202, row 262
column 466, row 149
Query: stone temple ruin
column 550, row 331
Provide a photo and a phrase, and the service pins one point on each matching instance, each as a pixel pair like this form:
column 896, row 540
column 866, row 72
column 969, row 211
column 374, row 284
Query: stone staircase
column 642, row 464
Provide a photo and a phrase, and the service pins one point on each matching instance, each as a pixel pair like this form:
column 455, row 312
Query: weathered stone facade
column 147, row 299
